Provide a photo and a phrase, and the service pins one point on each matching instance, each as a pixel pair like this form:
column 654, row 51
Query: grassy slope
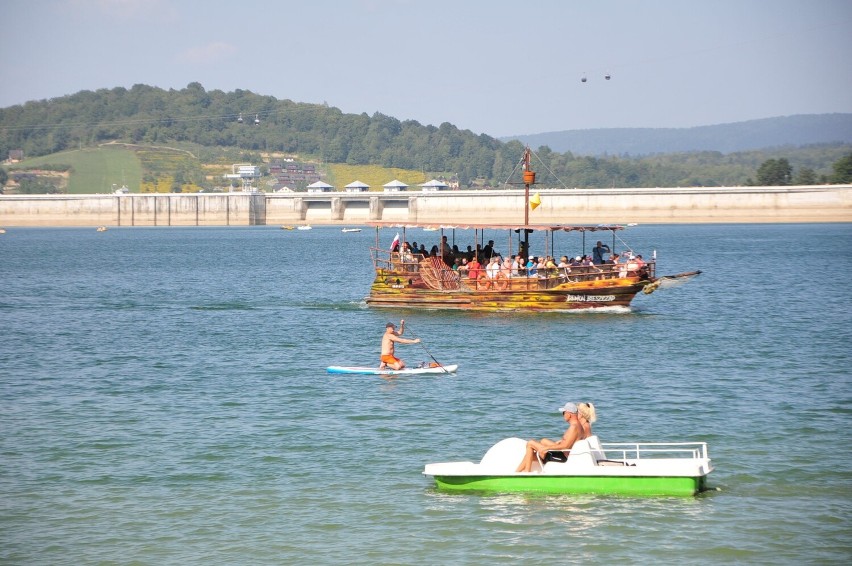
column 340, row 175
column 95, row 170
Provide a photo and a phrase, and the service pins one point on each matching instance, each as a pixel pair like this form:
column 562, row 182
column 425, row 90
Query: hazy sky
column 498, row 67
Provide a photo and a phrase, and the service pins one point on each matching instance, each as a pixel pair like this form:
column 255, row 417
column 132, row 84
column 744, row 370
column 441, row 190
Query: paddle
column 427, row 351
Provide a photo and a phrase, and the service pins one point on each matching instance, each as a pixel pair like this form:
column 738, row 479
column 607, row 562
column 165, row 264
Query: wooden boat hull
column 392, row 289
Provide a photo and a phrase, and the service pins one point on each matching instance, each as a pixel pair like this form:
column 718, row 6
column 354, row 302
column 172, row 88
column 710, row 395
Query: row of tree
column 779, row 172
column 216, row 119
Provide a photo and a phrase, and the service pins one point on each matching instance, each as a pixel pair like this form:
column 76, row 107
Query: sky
column 496, row 67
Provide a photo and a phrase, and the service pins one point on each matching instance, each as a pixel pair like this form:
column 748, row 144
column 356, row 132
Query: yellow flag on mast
column 535, row 201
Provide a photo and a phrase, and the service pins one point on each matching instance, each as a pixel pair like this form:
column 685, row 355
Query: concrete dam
column 820, row 203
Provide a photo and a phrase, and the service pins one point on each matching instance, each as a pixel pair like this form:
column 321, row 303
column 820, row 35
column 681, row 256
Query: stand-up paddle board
column 405, row 371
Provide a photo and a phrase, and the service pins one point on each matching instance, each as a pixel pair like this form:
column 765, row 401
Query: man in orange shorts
column 388, row 339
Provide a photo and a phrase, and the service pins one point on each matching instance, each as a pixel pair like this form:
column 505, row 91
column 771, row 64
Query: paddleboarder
column 389, row 338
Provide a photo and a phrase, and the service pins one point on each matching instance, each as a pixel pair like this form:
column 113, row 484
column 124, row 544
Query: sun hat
column 568, row 408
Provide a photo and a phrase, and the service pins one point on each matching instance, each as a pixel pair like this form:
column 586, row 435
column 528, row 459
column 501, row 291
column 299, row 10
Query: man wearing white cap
column 541, row 447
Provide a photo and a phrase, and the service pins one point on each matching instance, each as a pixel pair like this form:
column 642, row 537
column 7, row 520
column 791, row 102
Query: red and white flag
column 395, row 243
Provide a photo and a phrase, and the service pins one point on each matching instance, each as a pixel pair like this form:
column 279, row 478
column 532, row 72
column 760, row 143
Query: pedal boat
column 633, row 469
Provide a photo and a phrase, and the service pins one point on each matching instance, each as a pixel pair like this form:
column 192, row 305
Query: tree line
column 247, row 122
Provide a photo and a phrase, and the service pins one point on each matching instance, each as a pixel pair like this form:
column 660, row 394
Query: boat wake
column 223, row 307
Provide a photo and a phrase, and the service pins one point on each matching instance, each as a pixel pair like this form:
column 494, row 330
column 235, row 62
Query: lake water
column 164, row 400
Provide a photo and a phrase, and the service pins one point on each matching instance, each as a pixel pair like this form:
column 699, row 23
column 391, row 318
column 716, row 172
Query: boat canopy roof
column 532, row 227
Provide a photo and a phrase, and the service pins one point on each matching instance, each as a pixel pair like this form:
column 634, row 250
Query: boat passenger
column 445, row 251
column 474, row 269
column 598, row 252
column 632, row 266
column 564, row 266
column 590, row 266
column 642, row 269
column 586, row 415
column 488, row 250
column 407, row 256
column 541, row 447
column 389, row 338
column 464, row 267
column 506, row 267
column 519, row 266
column 531, row 267
column 493, row 267
column 611, row 266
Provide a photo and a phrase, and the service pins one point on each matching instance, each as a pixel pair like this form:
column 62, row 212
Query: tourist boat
column 305, row 227
column 346, row 230
column 406, row 278
column 101, row 229
column 668, row 469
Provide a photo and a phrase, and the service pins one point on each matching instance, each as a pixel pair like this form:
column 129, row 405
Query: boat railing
column 385, row 260
column 407, row 262
column 636, row 451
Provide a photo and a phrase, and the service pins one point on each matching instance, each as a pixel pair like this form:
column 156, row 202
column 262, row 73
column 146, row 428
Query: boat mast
column 529, row 179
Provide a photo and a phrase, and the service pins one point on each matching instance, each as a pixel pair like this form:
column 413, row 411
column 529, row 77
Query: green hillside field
column 93, row 170
column 152, row 169
column 339, row 175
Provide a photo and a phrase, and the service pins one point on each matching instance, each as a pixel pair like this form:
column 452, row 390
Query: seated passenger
column 531, row 267
column 632, row 266
column 407, row 256
column 642, row 271
column 586, row 415
column 493, row 267
column 550, row 266
column 474, row 269
column 541, row 447
column 590, row 266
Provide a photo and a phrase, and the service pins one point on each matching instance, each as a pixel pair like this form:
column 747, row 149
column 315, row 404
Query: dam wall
column 821, row 203
column 198, row 209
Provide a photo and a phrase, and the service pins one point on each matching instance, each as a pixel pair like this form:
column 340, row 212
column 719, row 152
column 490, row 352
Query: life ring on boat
column 501, row 282
column 483, row 283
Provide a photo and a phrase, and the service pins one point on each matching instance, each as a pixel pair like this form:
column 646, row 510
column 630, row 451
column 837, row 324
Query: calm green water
column 164, row 400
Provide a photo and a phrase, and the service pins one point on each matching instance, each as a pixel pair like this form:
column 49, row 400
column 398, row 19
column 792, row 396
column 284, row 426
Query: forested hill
column 248, row 121
column 217, row 126
column 805, row 129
